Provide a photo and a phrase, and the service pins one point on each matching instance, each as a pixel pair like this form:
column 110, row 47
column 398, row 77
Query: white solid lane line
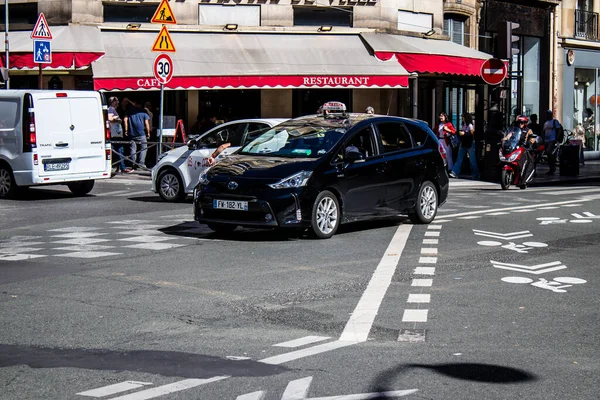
column 170, row 388
column 302, row 341
column 113, row 389
column 358, row 327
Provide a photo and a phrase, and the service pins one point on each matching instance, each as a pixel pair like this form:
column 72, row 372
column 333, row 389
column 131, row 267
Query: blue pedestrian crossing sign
column 42, row 52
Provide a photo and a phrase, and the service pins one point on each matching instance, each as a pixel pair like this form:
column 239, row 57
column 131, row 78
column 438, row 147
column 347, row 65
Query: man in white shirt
column 551, row 126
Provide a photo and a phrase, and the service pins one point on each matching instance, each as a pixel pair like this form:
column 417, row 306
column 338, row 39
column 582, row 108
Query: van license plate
column 230, row 205
column 56, row 166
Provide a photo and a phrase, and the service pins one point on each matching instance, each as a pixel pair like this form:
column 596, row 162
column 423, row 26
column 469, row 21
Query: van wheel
column 81, row 188
column 170, row 186
column 325, row 215
column 8, row 186
column 426, row 208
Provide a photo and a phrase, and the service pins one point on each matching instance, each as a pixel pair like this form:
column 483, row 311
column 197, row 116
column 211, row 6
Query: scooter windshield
column 511, row 139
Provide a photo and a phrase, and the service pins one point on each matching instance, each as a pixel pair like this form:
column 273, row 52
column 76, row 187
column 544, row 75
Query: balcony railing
column 586, row 25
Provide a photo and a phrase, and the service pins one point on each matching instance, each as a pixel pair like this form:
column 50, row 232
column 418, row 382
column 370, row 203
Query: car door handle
column 381, row 169
column 61, row 144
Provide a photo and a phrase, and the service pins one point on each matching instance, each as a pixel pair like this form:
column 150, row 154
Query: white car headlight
column 203, row 179
column 297, row 180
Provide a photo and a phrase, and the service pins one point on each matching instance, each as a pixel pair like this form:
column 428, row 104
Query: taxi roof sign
column 163, row 14
column 334, row 107
column 163, row 42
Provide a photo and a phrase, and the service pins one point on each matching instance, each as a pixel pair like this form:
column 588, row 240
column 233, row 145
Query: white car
column 177, row 171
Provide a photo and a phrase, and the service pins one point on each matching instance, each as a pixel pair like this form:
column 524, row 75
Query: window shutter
column 458, row 32
column 447, row 26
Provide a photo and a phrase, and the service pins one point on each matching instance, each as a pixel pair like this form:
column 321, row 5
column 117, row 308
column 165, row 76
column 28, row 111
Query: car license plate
column 56, row 166
column 230, row 205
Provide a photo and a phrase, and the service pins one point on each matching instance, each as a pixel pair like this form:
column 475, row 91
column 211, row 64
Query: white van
column 53, row 137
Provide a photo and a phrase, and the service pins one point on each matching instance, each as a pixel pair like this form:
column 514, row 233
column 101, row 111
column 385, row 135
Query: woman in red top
column 445, row 132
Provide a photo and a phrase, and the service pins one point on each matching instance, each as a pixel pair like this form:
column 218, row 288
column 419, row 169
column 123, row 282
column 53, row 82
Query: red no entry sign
column 493, row 71
column 163, row 68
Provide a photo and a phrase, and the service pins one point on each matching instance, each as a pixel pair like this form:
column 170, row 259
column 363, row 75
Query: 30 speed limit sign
column 163, row 68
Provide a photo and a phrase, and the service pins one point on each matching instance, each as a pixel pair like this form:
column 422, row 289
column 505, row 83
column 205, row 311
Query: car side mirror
column 353, row 157
column 192, row 145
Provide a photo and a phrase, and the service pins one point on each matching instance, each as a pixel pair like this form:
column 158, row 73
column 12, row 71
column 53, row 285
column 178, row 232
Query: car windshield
column 304, row 139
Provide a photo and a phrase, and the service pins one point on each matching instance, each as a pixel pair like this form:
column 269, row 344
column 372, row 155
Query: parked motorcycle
column 516, row 159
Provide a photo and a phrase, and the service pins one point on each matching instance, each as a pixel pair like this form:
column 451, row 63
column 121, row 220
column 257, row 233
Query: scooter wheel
column 506, row 179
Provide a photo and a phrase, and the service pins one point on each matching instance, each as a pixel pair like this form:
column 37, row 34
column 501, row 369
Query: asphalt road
column 119, row 295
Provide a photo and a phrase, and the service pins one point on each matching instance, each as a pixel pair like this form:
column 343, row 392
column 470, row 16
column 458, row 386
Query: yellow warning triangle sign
column 163, row 42
column 164, row 14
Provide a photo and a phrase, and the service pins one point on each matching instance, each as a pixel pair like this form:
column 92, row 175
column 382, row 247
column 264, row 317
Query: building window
column 128, row 13
column 414, row 22
column 215, row 14
column 585, row 99
column 319, row 16
column 455, row 26
column 22, row 13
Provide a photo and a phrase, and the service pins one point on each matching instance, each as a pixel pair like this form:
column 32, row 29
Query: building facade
column 269, row 58
column 578, row 78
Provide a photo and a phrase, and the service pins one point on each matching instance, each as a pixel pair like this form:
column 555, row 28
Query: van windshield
column 304, row 140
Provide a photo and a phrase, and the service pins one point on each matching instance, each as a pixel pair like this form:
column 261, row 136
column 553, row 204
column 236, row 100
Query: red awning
column 255, row 82
column 245, row 61
column 73, row 47
column 59, row 60
column 427, row 55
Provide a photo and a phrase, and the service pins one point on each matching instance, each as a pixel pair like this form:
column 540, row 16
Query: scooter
column 517, row 165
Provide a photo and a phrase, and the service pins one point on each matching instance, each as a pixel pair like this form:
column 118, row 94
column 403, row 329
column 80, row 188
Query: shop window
column 585, row 98
column 128, row 13
column 531, row 75
column 20, row 13
column 216, row 14
column 414, row 22
column 319, row 16
column 455, row 26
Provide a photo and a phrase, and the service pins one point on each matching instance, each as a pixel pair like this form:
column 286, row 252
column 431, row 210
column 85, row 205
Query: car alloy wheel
column 170, row 186
column 427, row 204
column 326, row 215
column 7, row 184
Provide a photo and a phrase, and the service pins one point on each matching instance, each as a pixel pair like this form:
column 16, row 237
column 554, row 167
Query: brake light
column 61, row 95
column 30, row 136
column 108, row 154
column 106, row 124
column 35, row 159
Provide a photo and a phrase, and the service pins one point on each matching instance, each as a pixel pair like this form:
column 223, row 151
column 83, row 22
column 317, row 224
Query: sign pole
column 40, row 80
column 7, row 66
column 160, row 121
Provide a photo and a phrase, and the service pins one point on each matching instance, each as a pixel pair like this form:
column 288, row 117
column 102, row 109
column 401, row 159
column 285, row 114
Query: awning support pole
column 160, row 122
column 414, row 97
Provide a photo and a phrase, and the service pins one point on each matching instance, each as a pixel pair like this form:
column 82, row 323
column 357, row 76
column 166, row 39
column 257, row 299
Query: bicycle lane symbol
column 558, row 285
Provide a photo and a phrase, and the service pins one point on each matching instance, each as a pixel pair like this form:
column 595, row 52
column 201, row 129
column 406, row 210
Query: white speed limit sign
column 163, row 68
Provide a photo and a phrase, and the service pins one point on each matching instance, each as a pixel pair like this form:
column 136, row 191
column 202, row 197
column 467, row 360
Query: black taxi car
column 323, row 170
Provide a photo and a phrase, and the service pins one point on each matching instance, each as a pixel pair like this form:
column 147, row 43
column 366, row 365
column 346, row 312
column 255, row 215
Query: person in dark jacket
column 466, row 147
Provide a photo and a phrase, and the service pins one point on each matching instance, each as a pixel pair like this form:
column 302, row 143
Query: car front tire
column 170, row 186
column 326, row 215
column 427, row 204
column 81, row 188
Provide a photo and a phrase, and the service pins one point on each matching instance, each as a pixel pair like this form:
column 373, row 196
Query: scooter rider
column 528, row 141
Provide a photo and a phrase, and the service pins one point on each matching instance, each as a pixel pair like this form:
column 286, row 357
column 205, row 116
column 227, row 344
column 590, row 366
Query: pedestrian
column 137, row 126
column 116, row 135
column 588, row 126
column 466, row 147
column 148, row 109
column 446, row 136
column 370, row 110
column 535, row 127
column 552, row 136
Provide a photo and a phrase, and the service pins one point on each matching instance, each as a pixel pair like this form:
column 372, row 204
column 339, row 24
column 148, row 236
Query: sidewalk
column 590, row 172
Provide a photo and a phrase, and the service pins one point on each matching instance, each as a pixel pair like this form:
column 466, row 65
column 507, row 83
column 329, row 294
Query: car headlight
column 203, row 180
column 297, row 180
